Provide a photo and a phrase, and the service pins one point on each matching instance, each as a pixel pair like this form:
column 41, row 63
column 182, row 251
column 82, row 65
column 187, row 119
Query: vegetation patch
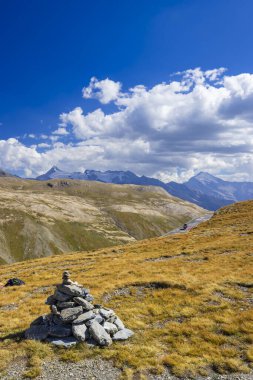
column 190, row 317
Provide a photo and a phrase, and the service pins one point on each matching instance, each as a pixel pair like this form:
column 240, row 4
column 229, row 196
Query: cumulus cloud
column 104, row 90
column 198, row 121
column 62, row 131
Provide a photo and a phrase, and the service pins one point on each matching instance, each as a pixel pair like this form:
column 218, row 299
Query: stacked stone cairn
column 74, row 318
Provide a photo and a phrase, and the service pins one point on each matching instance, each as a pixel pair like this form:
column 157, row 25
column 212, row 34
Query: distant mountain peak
column 205, row 177
column 54, row 169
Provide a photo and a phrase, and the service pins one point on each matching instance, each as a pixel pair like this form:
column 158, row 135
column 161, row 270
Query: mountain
column 188, row 299
column 3, row 173
column 204, row 189
column 109, row 176
column 41, row 218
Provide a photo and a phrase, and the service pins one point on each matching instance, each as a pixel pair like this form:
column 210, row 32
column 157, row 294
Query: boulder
column 123, row 334
column 37, row 332
column 71, row 290
column 59, row 296
column 63, row 342
column 110, row 328
column 69, row 315
column 51, row 300
column 99, row 334
column 85, row 304
column 60, row 331
column 106, row 313
column 80, row 332
column 118, row 322
column 84, row 317
column 97, row 318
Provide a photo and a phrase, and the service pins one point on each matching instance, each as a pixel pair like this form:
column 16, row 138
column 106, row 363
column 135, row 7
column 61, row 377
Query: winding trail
column 190, row 225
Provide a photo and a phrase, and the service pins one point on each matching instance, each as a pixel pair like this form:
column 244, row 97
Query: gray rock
column 85, row 291
column 118, row 322
column 42, row 320
column 98, row 319
column 106, row 313
column 37, row 332
column 80, row 332
column 63, row 342
column 123, row 334
column 65, row 305
column 84, row 317
column 89, row 298
column 110, row 328
column 59, row 296
column 51, row 300
column 112, row 319
column 71, row 290
column 57, row 320
column 85, row 304
column 68, row 315
column 99, row 334
column 59, row 331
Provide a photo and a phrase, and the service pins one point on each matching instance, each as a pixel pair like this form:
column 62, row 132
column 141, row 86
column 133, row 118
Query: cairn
column 74, row 318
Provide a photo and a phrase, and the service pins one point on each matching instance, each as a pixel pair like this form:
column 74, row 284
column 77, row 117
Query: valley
column 46, row 218
column 187, row 297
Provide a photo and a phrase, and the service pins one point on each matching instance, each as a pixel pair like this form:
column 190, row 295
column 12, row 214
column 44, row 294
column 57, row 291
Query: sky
column 163, row 88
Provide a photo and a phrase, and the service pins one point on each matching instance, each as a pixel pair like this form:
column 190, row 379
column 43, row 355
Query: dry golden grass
column 191, row 312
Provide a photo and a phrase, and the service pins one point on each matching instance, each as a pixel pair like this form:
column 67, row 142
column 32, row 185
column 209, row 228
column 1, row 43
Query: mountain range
column 203, row 189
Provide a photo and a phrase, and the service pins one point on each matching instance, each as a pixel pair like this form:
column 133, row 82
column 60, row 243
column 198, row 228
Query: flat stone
column 98, row 319
column 80, row 332
column 65, row 305
column 110, row 328
column 71, row 290
column 37, row 332
column 118, row 322
column 85, row 304
column 51, row 300
column 84, row 317
column 106, row 313
column 68, row 315
column 123, row 334
column 62, row 297
column 59, row 331
column 100, row 335
column 63, row 342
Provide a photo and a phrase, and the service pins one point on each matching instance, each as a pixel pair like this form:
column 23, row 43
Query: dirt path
column 191, row 224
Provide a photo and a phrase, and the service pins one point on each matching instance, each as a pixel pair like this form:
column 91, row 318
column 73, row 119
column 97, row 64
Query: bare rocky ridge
column 43, row 218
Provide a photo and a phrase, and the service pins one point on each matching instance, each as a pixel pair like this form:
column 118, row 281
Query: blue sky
column 51, row 49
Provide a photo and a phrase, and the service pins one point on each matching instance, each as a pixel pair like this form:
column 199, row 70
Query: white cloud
column 105, row 90
column 61, row 131
column 201, row 122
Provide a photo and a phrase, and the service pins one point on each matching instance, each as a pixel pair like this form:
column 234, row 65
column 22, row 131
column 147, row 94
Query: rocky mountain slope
column 203, row 189
column 43, row 218
column 187, row 297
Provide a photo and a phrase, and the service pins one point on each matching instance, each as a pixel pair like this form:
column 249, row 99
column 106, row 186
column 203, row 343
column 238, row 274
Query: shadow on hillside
column 17, row 337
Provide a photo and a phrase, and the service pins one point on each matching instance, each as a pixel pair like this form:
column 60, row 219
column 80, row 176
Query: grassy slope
column 37, row 220
column 187, row 297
